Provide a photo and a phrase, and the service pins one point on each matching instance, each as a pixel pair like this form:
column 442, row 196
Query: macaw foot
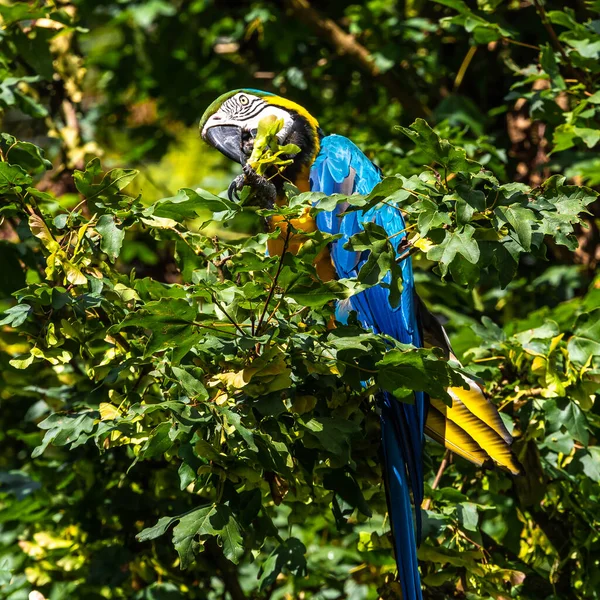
column 263, row 192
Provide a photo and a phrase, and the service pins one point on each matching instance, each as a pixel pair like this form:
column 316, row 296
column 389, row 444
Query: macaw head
column 230, row 123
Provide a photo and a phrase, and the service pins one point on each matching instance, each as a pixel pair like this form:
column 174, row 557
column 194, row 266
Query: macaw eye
column 244, row 100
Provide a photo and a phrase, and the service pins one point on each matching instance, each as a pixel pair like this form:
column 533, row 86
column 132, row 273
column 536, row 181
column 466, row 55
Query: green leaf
column 29, row 105
column 18, row 483
column 12, row 178
column 189, row 204
column 236, row 420
column 198, row 523
column 586, row 48
column 333, row 435
column 455, row 243
column 307, row 291
column 158, row 442
column 6, row 573
column 169, row 322
column 25, row 154
column 473, row 197
column 584, row 345
column 103, row 193
column 192, row 386
column 563, row 412
column 230, row 536
column 559, row 442
column 431, row 216
column 16, row 315
column 458, row 5
column 194, row 527
column 464, row 212
column 22, row 363
column 521, row 220
column 550, row 65
column 63, row 429
column 20, row 12
column 288, row 556
column 496, row 255
column 468, row 515
column 187, row 475
column 403, row 372
column 590, row 462
column 589, row 136
column 450, row 157
column 380, row 261
column 151, row 533
column 345, row 485
column 112, row 236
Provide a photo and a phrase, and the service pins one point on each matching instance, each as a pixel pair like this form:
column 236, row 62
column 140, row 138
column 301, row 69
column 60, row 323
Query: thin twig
column 274, row 283
column 275, row 309
column 438, row 477
column 480, row 360
column 555, row 41
column 464, row 66
column 412, row 251
column 214, row 298
column 407, row 228
column 463, row 535
column 553, row 37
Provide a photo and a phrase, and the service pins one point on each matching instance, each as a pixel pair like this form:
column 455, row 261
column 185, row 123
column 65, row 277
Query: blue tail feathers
column 397, row 456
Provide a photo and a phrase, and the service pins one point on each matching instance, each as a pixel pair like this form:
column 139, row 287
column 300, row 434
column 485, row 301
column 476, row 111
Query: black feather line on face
column 237, row 111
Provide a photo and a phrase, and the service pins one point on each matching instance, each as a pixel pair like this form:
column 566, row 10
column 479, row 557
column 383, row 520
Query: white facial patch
column 245, row 111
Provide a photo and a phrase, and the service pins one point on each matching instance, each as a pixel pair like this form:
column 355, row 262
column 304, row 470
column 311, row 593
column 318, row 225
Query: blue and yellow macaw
column 471, row 427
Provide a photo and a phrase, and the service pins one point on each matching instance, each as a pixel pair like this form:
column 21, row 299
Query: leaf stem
column 517, row 43
column 215, row 325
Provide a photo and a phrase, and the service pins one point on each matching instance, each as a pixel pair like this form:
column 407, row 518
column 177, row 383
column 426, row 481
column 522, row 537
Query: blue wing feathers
column 401, row 424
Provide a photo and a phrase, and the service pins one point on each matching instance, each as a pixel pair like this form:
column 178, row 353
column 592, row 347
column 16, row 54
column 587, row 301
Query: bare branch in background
column 346, row 44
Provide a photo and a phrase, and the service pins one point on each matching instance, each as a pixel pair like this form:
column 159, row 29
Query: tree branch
column 539, row 7
column 345, row 43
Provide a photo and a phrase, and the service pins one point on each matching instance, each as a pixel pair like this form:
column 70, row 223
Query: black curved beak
column 227, row 139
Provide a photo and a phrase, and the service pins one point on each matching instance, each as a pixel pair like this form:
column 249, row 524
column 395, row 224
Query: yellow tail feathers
column 472, row 428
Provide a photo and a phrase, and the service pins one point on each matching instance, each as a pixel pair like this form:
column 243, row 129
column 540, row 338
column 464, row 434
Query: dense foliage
column 181, row 417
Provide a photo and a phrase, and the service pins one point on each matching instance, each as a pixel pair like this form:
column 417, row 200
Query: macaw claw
column 263, row 191
column 235, row 187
